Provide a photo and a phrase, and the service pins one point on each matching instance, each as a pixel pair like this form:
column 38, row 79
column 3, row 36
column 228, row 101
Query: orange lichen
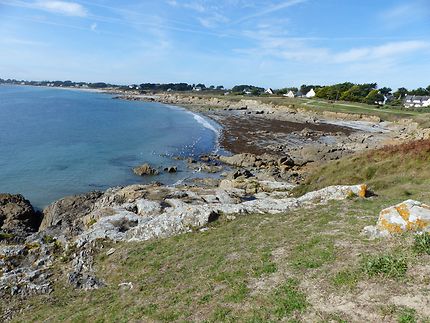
column 363, row 191
column 391, row 227
column 417, row 225
column 402, row 209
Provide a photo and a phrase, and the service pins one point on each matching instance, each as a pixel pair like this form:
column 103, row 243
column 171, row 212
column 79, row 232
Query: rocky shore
column 250, row 126
column 272, row 146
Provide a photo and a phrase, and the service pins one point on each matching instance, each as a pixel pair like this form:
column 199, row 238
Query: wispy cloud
column 24, row 42
column 405, row 14
column 193, row 5
column 213, row 20
column 270, row 10
column 60, row 7
column 388, row 50
column 303, row 50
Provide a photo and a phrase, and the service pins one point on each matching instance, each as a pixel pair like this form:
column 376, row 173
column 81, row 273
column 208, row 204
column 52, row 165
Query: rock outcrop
column 409, row 215
column 145, row 169
column 74, row 227
column 64, row 217
column 17, row 217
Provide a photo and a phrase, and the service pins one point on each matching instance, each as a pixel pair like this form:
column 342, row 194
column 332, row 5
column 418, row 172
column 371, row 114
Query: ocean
column 60, row 142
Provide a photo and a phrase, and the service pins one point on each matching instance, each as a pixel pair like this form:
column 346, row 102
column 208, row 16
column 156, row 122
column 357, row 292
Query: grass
column 422, row 244
column 392, row 266
column 311, row 264
column 346, row 278
column 313, row 253
column 407, row 315
column 385, row 113
column 399, row 171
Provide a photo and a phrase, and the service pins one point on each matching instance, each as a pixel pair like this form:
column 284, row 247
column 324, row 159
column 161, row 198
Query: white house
column 416, row 101
column 290, row 94
column 269, row 91
column 310, row 94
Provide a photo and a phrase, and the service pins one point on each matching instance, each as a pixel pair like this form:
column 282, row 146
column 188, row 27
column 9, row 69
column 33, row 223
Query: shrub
column 385, row 265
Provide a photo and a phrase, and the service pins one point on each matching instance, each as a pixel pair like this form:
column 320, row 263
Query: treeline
column 250, row 89
column 178, row 87
column 97, row 85
column 366, row 93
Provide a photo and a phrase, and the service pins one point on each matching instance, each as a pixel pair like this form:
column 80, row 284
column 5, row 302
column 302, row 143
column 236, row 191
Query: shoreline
column 60, row 248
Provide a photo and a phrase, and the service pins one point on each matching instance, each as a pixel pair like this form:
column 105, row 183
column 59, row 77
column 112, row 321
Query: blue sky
column 221, row 42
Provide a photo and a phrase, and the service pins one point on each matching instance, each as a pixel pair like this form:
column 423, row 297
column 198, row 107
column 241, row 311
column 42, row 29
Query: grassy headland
column 307, row 265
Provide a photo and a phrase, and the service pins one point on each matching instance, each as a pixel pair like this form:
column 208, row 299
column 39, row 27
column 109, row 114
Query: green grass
column 392, row 266
column 388, row 113
column 399, row 171
column 347, row 279
column 300, row 266
column 313, row 253
column 407, row 315
column 422, row 244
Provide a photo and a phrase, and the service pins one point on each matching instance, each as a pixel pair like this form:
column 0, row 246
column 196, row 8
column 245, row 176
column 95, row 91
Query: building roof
column 417, row 98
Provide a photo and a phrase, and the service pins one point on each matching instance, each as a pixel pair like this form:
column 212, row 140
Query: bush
column 386, row 265
column 422, row 244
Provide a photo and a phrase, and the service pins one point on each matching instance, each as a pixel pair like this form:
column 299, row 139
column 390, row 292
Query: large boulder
column 145, row 169
column 17, row 216
column 65, row 216
column 409, row 215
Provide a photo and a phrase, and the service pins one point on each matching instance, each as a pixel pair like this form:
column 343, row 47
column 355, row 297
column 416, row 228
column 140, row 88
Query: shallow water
column 58, row 142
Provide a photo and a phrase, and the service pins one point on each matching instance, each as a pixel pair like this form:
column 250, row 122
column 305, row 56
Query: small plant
column 386, row 265
column 314, row 253
column 288, row 298
column 266, row 266
column 48, row 239
column 422, row 244
column 5, row 236
column 346, row 278
column 407, row 315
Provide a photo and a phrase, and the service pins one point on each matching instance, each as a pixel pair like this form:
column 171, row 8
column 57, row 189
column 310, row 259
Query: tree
column 401, row 92
column 419, row 91
column 220, row 87
column 374, row 97
column 385, row 90
column 286, row 90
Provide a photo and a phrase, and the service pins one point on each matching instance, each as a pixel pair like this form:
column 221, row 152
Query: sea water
column 59, row 142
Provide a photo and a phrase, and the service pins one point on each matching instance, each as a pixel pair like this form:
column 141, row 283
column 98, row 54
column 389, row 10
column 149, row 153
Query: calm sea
column 59, row 142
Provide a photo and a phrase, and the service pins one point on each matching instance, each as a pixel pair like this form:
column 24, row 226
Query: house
column 416, row 101
column 269, row 91
column 247, row 91
column 197, row 89
column 290, row 94
column 310, row 94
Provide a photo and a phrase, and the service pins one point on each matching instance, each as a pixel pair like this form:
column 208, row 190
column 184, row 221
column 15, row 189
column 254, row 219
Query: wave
column 205, row 123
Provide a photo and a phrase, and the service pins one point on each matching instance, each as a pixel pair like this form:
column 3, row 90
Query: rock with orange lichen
column 409, row 215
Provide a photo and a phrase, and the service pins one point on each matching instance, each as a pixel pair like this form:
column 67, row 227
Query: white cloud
column 388, row 50
column 61, row 7
column 193, row 5
column 405, row 14
column 213, row 21
column 269, row 10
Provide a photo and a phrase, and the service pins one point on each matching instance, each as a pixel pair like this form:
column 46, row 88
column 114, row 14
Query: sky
column 269, row 43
